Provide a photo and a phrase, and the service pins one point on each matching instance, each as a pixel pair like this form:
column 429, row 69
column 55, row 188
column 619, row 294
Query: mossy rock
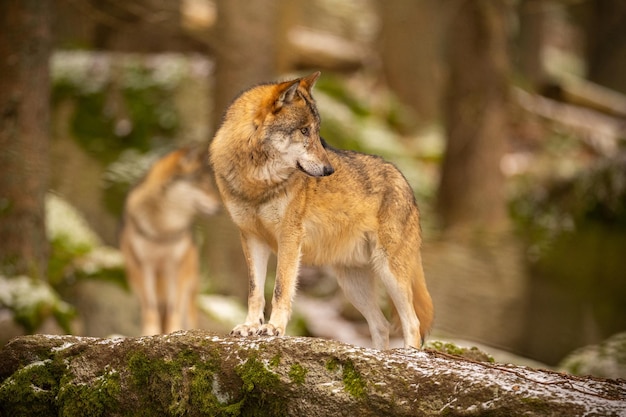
column 607, row 359
column 196, row 373
column 472, row 353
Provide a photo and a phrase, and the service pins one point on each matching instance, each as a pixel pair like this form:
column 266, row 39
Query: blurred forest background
column 508, row 117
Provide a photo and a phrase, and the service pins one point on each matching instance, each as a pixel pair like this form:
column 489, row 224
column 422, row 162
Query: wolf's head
column 277, row 125
column 188, row 177
column 288, row 124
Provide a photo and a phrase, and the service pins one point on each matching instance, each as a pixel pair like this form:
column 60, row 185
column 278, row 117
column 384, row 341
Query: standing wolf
column 290, row 193
column 156, row 240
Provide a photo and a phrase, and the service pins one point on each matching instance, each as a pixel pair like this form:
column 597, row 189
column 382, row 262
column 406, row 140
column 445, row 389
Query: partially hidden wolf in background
column 291, row 193
column 156, row 240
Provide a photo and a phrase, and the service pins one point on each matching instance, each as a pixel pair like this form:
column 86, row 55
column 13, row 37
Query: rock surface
column 197, row 373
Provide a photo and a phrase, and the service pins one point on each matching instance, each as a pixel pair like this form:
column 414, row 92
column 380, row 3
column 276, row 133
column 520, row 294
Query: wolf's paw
column 270, row 330
column 245, row 330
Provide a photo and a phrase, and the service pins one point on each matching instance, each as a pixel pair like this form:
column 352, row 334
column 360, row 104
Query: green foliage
column 360, row 123
column 63, row 252
column 596, row 196
column 576, row 234
column 71, row 262
column 76, row 252
column 126, row 171
column 337, row 89
column 32, row 301
column 116, row 104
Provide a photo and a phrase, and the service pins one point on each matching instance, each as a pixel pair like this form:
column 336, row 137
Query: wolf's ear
column 192, row 155
column 309, row 82
column 287, row 94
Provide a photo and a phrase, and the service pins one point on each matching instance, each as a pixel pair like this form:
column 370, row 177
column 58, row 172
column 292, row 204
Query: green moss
column 472, row 353
column 353, row 381
column 204, row 396
column 29, row 391
column 162, row 382
column 297, row 374
column 186, row 382
column 32, row 390
column 538, row 405
column 96, row 399
column 275, row 361
column 158, row 382
column 259, row 386
column 332, row 364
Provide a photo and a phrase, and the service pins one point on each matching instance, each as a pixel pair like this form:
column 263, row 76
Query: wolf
column 161, row 258
column 291, row 193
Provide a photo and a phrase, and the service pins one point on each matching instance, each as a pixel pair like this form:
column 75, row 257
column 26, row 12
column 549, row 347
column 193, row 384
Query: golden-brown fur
column 290, row 193
column 160, row 256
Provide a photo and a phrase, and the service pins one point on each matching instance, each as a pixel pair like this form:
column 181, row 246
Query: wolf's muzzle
column 325, row 170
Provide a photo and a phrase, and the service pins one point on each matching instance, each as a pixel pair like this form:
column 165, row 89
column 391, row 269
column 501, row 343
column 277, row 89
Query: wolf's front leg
column 257, row 254
column 151, row 319
column 285, row 287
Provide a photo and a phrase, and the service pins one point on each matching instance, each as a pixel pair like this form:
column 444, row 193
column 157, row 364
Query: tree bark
column 197, row 373
column 245, row 48
column 530, row 41
column 24, row 128
column 605, row 41
column 409, row 51
column 471, row 190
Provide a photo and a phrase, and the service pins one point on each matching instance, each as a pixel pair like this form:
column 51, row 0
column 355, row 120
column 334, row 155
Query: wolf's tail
column 423, row 304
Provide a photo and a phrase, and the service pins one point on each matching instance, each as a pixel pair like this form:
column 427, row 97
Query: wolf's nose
column 328, row 169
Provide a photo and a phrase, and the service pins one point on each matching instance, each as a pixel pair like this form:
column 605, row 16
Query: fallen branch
column 600, row 132
column 198, row 373
column 580, row 92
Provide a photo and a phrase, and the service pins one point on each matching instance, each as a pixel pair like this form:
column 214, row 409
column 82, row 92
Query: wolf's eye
column 305, row 131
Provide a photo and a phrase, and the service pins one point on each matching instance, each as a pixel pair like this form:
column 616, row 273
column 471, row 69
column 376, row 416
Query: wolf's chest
column 268, row 216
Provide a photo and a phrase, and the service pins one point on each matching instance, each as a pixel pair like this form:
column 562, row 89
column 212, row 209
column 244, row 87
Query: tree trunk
column 245, row 48
column 196, row 374
column 471, row 191
column 603, row 23
column 409, row 51
column 530, row 41
column 24, row 120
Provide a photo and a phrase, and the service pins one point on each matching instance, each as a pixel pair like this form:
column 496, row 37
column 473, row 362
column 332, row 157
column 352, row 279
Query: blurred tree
column 409, row 50
column 471, row 191
column 290, row 11
column 246, row 39
column 604, row 25
column 129, row 26
column 24, row 119
column 245, row 54
column 531, row 14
